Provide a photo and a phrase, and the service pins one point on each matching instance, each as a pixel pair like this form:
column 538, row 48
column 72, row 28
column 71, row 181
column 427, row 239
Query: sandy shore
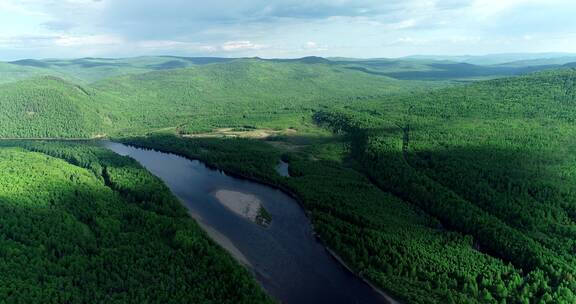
column 243, row 204
column 246, row 205
column 223, row 241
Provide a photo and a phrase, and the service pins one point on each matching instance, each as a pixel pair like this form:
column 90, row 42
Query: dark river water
column 285, row 257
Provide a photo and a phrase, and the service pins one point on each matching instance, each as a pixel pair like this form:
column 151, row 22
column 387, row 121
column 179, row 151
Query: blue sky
column 288, row 28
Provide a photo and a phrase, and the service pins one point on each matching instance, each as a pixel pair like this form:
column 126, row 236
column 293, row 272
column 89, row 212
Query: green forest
column 82, row 224
column 438, row 184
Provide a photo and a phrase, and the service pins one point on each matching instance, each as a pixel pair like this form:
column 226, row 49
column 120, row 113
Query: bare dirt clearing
column 230, row 132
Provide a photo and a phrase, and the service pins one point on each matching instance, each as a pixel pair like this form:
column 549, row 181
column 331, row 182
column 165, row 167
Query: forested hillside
column 51, row 107
column 11, row 72
column 245, row 93
column 191, row 95
column 493, row 160
column 80, row 224
column 89, row 70
column 252, row 93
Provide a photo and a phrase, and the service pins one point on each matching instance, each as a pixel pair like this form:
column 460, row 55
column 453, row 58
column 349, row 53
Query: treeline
column 98, row 228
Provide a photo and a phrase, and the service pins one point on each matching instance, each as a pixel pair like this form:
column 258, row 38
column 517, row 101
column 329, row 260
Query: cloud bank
column 286, row 28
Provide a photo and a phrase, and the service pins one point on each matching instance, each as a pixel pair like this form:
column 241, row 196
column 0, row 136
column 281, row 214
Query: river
column 285, row 257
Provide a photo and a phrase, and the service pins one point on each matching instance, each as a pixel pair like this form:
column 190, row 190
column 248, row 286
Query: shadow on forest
column 492, row 172
column 304, row 140
column 462, row 70
column 446, row 71
column 518, row 186
column 515, row 185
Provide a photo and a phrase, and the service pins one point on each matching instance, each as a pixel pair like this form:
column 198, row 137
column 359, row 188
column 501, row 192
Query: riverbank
column 287, row 259
column 223, row 241
column 274, row 183
column 378, row 290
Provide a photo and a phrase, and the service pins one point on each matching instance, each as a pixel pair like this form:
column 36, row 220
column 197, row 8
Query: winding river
column 287, row 260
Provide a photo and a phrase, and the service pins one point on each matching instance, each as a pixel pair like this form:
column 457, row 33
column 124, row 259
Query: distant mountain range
column 495, row 59
column 430, row 68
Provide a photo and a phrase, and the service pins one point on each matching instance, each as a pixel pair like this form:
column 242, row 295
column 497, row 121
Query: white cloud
column 89, row 40
column 313, row 46
column 404, row 24
column 243, row 45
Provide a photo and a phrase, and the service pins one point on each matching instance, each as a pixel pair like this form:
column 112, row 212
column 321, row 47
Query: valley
column 284, row 256
column 434, row 181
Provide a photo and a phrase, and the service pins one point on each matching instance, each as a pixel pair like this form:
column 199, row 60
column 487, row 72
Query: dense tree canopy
column 80, row 224
column 245, row 93
column 491, row 160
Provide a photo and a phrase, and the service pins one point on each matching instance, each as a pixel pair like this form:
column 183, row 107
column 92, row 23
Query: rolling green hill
column 445, row 70
column 11, row 72
column 497, row 59
column 88, row 70
column 50, row 107
column 244, row 93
